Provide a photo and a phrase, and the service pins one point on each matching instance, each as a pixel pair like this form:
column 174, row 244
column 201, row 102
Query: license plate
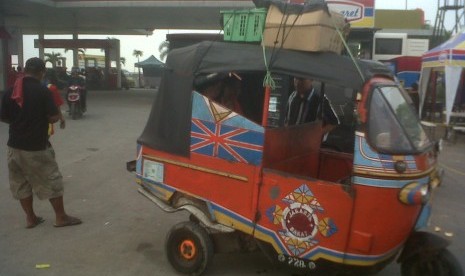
column 296, row 262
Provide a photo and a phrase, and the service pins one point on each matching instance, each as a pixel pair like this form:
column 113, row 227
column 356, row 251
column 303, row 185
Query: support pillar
column 41, row 47
column 15, row 45
column 75, row 52
column 20, row 52
column 106, row 71
column 118, row 63
column 5, row 60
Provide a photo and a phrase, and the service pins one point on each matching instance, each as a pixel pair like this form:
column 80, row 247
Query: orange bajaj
column 349, row 199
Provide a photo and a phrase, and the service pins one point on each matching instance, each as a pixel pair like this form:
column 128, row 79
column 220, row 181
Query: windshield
column 393, row 125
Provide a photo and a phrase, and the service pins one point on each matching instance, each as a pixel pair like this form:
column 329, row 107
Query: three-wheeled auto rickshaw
column 352, row 199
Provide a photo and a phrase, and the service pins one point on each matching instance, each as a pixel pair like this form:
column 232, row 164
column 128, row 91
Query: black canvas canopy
column 168, row 126
column 152, row 66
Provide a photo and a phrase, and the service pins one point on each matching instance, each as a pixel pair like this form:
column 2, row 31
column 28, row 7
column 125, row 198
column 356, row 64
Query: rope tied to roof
column 268, row 80
column 346, row 46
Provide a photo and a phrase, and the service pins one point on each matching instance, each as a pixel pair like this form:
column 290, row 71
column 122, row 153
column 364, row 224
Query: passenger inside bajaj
column 393, row 125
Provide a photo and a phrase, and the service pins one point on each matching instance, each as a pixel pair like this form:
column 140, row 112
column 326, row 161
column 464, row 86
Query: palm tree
column 122, row 60
column 53, row 58
column 80, row 51
column 164, row 48
column 137, row 54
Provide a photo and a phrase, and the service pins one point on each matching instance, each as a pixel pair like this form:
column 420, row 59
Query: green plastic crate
column 243, row 25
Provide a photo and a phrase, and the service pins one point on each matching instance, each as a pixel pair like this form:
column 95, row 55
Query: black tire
column 73, row 111
column 79, row 110
column 189, row 248
column 443, row 263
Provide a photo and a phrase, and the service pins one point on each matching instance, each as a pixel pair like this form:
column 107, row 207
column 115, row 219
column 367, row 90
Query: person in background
column 11, row 77
column 231, row 88
column 210, row 85
column 51, row 82
column 19, row 71
column 76, row 79
column 222, row 88
column 28, row 108
column 213, row 92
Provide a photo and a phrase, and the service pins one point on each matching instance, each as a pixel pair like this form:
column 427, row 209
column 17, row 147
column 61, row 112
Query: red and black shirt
column 29, row 123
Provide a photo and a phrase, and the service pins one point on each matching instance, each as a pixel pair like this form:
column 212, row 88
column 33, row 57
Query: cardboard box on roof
column 312, row 31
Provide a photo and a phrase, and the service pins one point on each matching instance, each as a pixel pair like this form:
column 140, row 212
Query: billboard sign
column 359, row 13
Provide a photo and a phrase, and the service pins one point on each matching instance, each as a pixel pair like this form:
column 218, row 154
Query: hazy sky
column 149, row 45
column 428, row 6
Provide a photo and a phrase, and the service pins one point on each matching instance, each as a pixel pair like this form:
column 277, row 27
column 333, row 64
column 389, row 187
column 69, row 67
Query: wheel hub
column 187, row 249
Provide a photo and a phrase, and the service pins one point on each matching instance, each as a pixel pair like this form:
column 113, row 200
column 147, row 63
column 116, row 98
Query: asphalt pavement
column 122, row 232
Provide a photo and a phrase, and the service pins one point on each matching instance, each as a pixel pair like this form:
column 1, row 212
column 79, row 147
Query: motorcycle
column 74, row 99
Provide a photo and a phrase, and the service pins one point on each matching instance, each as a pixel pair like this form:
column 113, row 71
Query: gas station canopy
column 112, row 17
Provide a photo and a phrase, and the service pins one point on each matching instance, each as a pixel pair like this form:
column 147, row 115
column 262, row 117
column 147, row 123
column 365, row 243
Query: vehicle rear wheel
column 440, row 264
column 189, row 248
column 194, row 219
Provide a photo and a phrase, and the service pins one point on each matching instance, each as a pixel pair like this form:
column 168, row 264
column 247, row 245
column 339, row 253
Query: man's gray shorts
column 34, row 171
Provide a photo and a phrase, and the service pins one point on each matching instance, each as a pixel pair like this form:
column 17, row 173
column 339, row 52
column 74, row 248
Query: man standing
column 304, row 105
column 28, row 108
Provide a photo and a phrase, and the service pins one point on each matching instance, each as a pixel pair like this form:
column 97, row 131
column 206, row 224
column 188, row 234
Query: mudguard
column 422, row 243
column 131, row 166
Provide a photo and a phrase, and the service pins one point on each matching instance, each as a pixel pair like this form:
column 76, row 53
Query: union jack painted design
column 226, row 142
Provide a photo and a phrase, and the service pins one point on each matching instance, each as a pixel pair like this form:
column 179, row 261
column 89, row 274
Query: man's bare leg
column 62, row 219
column 31, row 219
